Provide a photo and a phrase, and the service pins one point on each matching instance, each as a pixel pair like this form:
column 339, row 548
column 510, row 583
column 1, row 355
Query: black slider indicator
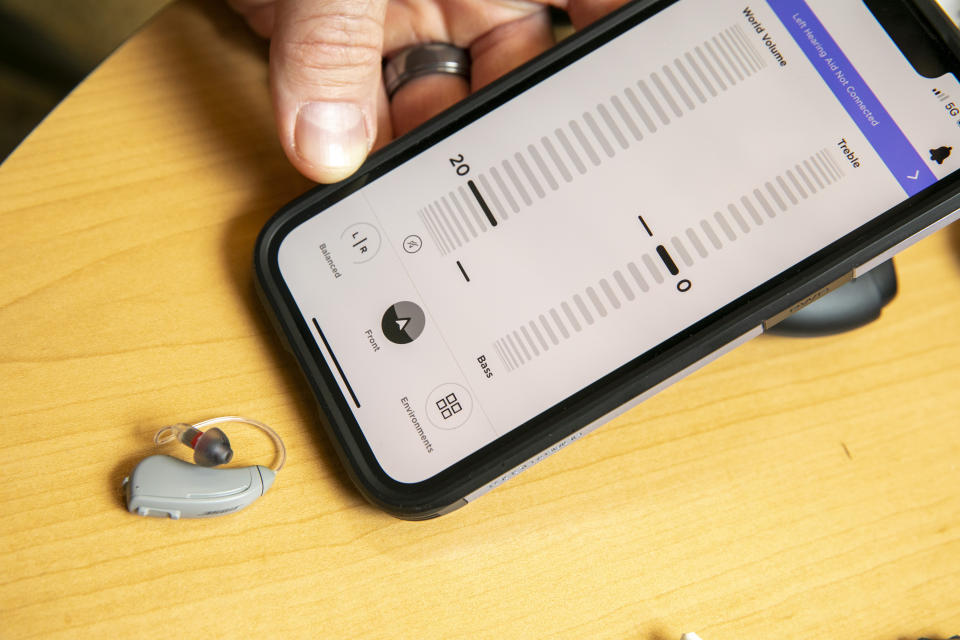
column 667, row 260
column 482, row 203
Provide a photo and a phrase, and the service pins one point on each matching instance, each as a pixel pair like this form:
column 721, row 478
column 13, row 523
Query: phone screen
column 604, row 210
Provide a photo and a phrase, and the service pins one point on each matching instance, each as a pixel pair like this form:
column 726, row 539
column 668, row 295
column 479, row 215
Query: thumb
column 325, row 58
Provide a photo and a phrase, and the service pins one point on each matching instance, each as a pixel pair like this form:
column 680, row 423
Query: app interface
column 606, row 209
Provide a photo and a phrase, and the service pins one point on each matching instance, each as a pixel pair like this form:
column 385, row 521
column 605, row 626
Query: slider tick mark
column 644, row 223
column 463, row 271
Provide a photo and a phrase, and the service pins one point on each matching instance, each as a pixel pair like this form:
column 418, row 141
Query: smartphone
column 650, row 193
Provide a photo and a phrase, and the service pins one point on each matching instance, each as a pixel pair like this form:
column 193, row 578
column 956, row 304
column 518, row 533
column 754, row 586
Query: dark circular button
column 403, row 322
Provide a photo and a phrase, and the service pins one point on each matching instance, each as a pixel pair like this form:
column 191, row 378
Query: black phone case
column 523, row 445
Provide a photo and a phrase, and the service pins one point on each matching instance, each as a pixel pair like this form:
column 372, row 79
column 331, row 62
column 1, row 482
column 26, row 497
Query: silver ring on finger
column 422, row 60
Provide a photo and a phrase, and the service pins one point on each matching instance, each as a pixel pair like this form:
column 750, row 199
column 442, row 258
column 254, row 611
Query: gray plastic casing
column 166, row 486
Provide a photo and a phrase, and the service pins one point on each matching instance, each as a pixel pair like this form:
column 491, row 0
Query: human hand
column 329, row 100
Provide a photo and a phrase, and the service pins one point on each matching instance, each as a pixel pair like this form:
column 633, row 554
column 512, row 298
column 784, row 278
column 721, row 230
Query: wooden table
column 794, row 488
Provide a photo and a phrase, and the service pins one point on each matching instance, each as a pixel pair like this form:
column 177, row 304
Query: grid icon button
column 449, row 406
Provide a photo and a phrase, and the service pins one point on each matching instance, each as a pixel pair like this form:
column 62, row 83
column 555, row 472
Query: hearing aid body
column 166, row 486
column 162, row 485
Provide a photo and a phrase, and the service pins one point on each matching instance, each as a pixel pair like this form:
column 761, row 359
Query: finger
column 420, row 99
column 508, row 46
column 325, row 59
column 583, row 12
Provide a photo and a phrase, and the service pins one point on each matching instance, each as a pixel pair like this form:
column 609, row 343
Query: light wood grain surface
column 794, row 489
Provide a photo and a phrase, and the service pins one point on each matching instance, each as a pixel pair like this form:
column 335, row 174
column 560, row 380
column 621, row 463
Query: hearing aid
column 164, row 486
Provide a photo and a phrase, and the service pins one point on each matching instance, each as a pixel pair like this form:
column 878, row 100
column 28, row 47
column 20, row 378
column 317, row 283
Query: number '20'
column 459, row 165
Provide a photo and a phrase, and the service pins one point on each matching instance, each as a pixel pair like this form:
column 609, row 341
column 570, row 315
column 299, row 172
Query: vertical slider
column 336, row 363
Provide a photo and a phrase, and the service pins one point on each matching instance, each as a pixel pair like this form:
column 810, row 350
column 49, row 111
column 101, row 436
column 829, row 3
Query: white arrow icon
column 402, row 323
column 916, row 174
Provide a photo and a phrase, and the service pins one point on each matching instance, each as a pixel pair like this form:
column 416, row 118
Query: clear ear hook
column 169, row 433
column 212, row 447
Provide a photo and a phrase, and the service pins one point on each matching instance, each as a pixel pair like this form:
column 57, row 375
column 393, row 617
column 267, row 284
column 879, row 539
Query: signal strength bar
column 943, row 97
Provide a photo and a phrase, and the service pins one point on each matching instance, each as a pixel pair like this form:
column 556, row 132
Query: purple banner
column 854, row 95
